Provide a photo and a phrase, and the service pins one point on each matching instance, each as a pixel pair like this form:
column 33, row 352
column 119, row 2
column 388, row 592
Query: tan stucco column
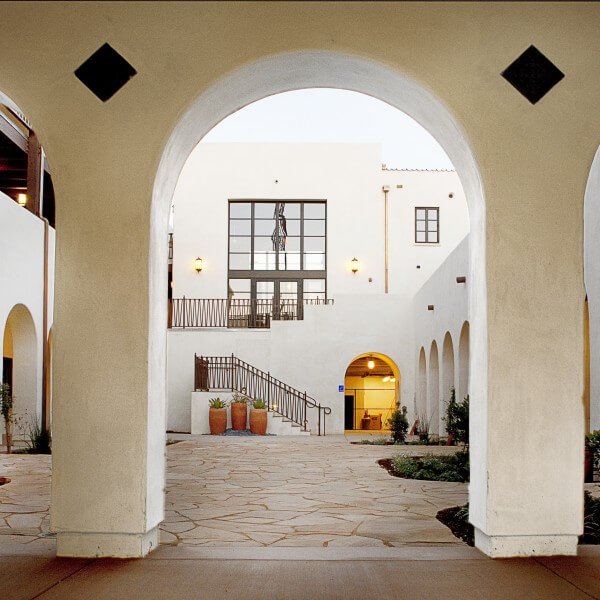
column 108, row 423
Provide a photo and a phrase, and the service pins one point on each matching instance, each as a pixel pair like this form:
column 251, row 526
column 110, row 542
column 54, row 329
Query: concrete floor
column 301, row 573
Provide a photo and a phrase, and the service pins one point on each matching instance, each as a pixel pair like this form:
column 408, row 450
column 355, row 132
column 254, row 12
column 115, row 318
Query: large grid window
column 277, row 236
column 427, row 225
column 277, row 249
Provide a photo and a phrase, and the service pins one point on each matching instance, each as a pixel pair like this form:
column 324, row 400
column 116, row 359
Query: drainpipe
column 386, row 189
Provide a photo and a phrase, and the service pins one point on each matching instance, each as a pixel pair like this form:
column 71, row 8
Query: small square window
column 427, row 225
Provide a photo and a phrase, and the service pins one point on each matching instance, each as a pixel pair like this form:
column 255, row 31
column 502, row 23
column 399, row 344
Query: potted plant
column 217, row 416
column 592, row 445
column 422, row 429
column 6, row 408
column 258, row 417
column 239, row 412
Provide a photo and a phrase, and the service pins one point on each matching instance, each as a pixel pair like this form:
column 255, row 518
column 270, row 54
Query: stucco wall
column 349, row 177
column 311, row 355
column 449, row 314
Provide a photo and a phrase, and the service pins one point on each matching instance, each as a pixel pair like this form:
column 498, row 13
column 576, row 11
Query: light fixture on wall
column 371, row 364
column 354, row 265
column 198, row 264
column 386, row 379
column 392, row 379
column 22, row 199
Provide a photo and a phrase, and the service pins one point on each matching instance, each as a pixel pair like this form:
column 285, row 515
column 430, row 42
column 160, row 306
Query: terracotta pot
column 258, row 421
column 239, row 413
column 217, row 419
column 588, row 469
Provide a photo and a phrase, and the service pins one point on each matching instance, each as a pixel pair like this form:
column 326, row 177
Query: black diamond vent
column 105, row 72
column 533, row 74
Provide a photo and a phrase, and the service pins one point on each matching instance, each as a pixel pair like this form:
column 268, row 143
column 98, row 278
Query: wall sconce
column 22, row 199
column 371, row 364
column 354, row 265
column 392, row 380
column 198, row 265
column 386, row 379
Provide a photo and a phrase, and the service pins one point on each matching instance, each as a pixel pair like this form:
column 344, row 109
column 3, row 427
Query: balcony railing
column 245, row 313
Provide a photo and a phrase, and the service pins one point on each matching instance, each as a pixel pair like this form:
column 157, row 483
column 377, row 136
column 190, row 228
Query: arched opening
column 20, row 367
column 421, row 407
column 433, row 388
column 463, row 362
column 271, row 76
column 371, row 392
column 447, row 377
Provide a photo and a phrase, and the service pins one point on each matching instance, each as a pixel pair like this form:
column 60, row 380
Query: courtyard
column 262, row 491
column 310, row 517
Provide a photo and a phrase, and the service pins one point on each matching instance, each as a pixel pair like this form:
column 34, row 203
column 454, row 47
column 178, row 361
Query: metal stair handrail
column 232, row 373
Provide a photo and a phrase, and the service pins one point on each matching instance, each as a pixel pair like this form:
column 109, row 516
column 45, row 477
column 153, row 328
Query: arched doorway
column 421, row 407
column 447, row 377
column 463, row 362
column 433, row 388
column 371, row 392
column 20, row 367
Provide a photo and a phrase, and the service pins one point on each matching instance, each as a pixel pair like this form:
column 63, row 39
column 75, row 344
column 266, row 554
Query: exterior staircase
column 290, row 411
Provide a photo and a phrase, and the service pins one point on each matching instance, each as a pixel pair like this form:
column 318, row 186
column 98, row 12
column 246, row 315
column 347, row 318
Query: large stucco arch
column 107, row 156
column 299, row 70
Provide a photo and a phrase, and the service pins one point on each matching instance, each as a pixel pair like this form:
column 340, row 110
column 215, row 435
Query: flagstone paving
column 224, row 492
column 254, row 491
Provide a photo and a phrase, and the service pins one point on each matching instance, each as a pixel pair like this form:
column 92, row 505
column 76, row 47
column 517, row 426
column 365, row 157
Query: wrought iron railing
column 232, row 374
column 221, row 312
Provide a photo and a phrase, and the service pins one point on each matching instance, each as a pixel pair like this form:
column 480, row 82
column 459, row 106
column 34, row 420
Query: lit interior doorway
column 371, row 393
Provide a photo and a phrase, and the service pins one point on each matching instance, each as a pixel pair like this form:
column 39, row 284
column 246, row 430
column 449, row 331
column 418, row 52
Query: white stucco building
column 336, row 203
column 27, row 242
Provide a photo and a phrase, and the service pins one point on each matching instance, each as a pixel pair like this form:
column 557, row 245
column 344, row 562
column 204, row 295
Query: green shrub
column 398, row 423
column 591, row 519
column 457, row 418
column 217, row 403
column 433, row 468
column 38, row 440
column 376, row 442
column 259, row 404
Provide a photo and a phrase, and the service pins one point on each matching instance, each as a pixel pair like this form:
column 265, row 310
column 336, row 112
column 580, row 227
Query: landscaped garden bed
column 429, row 467
column 456, row 519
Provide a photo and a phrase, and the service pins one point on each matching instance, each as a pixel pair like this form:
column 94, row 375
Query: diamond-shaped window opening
column 532, row 74
column 105, row 72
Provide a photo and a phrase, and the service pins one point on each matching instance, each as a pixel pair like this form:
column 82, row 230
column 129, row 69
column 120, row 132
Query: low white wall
column 311, row 355
column 22, row 284
column 451, row 310
column 200, row 410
